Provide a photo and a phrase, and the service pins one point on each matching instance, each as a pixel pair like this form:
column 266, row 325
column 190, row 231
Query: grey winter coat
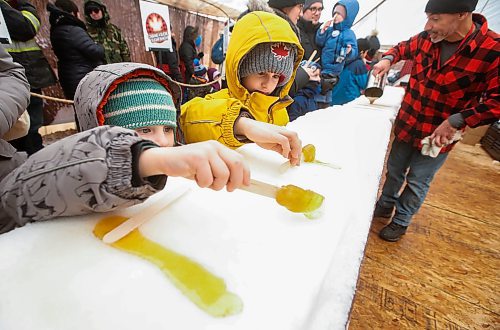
column 91, row 171
column 14, row 98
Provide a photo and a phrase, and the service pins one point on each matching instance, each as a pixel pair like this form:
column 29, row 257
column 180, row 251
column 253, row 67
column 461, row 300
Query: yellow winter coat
column 213, row 117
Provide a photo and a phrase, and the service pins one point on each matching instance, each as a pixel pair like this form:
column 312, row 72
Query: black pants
column 32, row 142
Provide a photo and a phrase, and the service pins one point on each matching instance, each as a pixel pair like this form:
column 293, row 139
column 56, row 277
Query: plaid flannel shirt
column 467, row 83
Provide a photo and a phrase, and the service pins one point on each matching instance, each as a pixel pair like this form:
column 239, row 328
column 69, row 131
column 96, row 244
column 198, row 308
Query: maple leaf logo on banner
column 280, row 50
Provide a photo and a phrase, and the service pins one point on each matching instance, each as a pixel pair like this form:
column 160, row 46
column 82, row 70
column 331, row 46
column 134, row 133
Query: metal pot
column 375, row 86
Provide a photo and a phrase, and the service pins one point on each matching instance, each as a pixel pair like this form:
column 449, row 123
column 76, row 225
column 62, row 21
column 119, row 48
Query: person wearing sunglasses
column 105, row 33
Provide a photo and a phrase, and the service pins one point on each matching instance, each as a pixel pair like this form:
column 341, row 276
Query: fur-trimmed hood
column 94, row 89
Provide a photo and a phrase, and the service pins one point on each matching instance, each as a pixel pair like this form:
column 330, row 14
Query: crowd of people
column 137, row 125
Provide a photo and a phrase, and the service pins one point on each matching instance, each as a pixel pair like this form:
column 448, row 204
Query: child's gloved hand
column 328, row 81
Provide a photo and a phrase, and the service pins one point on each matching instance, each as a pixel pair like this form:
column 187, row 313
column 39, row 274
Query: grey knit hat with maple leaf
column 275, row 57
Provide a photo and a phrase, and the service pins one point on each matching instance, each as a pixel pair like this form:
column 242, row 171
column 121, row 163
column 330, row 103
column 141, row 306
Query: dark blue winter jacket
column 335, row 39
column 303, row 101
column 352, row 81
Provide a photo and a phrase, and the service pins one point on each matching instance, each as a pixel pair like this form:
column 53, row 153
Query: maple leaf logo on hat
column 280, row 50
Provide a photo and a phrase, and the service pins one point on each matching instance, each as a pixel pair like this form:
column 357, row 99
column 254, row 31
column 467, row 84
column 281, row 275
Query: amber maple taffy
column 294, row 198
column 203, row 288
column 308, row 156
column 195, row 282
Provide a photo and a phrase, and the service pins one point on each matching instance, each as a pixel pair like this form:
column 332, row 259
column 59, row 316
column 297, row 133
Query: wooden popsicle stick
column 285, row 167
column 310, row 58
column 134, row 222
column 262, row 188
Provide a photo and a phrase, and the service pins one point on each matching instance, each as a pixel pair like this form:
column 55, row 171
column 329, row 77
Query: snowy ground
column 290, row 272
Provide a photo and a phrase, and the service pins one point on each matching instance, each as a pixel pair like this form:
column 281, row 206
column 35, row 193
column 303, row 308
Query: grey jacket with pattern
column 88, row 172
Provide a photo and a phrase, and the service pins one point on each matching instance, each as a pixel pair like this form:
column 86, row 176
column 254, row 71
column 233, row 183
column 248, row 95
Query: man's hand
column 271, row 137
column 443, row 135
column 381, row 67
column 209, row 163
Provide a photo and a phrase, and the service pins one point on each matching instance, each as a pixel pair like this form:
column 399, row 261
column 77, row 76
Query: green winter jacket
column 108, row 35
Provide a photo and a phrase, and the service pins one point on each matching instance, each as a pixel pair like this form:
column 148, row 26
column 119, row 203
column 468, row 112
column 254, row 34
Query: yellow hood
column 254, row 28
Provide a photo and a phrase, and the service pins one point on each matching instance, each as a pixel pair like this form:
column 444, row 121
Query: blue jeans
column 406, row 163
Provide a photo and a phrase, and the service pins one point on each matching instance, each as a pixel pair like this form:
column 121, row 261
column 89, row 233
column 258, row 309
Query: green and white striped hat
column 140, row 102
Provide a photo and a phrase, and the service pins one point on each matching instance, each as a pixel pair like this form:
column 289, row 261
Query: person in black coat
column 188, row 52
column 168, row 61
column 76, row 52
column 287, row 9
column 308, row 26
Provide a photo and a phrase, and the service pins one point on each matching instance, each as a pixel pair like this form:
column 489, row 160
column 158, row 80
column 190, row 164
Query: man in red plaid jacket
column 454, row 83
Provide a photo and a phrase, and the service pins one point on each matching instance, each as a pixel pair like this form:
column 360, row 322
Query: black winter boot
column 392, row 232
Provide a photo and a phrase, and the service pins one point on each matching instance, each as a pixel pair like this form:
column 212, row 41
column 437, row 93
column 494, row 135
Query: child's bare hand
column 209, row 163
column 313, row 72
column 271, row 137
column 326, row 25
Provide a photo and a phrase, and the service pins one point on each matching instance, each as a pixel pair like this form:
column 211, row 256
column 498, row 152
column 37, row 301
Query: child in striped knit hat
column 144, row 105
column 129, row 96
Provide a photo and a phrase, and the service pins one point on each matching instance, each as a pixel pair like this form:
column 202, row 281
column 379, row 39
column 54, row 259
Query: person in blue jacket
column 353, row 79
column 338, row 43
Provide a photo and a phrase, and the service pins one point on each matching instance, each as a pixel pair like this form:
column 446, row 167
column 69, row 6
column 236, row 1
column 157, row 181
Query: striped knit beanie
column 140, row 102
column 275, row 57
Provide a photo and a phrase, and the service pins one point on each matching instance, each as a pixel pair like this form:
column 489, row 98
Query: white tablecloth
column 290, row 272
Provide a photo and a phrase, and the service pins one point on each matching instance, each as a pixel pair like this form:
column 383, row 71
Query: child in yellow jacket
column 261, row 61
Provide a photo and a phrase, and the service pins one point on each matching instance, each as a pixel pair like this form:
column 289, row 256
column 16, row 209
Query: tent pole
column 371, row 11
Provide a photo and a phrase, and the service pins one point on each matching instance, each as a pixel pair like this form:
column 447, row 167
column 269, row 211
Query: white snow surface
column 290, row 272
